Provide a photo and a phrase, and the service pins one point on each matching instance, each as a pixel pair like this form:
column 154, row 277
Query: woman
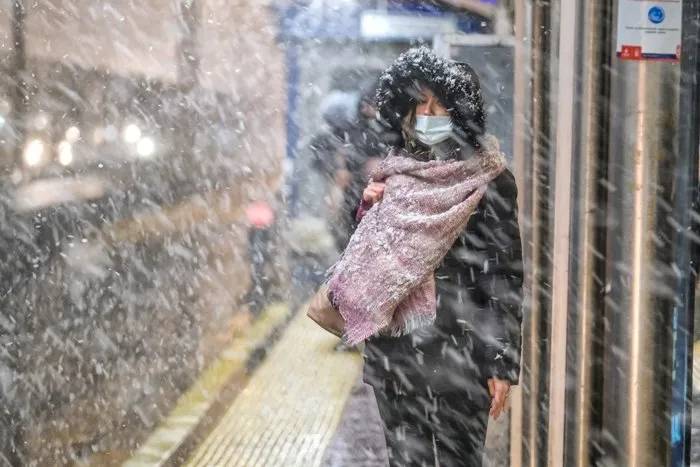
column 436, row 385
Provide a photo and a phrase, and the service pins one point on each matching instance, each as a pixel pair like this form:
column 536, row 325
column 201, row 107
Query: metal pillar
column 640, row 280
column 569, row 19
column 536, row 202
column 588, row 238
column 686, row 202
column 521, row 162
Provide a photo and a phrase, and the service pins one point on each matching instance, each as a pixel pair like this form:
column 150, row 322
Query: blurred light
column 131, row 133
column 146, row 147
column 41, row 121
column 260, row 214
column 73, row 134
column 53, row 191
column 381, row 25
column 110, row 133
column 65, row 153
column 34, row 152
column 98, row 136
column 2, row 121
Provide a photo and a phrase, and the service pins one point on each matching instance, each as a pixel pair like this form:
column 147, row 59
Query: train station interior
column 170, row 205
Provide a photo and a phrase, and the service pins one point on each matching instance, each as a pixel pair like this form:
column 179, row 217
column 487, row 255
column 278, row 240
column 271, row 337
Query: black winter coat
column 476, row 334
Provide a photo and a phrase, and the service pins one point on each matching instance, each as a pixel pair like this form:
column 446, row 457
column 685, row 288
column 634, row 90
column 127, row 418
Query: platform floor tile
column 290, row 408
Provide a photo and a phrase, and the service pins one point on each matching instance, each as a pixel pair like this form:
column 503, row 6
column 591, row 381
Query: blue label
column 656, row 14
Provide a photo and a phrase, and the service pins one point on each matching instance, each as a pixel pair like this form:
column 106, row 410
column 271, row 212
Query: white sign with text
column 649, row 30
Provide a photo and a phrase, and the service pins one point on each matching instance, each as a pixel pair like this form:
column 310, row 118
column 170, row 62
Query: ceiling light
column 34, row 152
column 146, row 147
column 65, row 153
column 131, row 133
column 73, row 134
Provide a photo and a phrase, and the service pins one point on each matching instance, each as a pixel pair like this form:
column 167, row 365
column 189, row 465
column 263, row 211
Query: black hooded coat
column 477, row 332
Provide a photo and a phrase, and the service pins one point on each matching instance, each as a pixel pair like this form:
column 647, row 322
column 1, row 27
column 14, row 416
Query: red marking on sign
column 631, row 52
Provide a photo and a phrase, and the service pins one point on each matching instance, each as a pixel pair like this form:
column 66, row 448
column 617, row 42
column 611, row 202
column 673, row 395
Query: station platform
column 293, row 409
column 303, row 405
column 288, row 412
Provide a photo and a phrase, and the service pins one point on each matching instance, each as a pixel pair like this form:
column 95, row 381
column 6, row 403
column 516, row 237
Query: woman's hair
column 408, row 124
column 455, row 84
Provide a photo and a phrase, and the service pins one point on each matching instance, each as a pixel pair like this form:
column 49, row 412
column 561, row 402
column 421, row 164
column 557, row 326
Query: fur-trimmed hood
column 454, row 83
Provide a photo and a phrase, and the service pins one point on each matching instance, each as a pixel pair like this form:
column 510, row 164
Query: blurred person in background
column 332, row 156
column 318, row 232
column 264, row 288
column 436, row 385
column 371, row 140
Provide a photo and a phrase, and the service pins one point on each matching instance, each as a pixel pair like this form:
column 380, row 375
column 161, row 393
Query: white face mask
column 431, row 130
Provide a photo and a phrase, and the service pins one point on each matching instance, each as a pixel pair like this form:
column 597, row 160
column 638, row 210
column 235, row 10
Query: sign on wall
column 649, row 30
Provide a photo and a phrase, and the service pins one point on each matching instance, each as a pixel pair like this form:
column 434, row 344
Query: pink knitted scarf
column 384, row 281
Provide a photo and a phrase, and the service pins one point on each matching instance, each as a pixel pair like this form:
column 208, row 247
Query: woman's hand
column 499, row 390
column 374, row 192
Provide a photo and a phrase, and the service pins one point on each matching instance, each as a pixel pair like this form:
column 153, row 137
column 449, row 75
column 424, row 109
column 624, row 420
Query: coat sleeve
column 502, row 280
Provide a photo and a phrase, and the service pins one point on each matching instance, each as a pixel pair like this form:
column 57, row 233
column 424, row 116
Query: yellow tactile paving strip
column 290, row 408
column 195, row 403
